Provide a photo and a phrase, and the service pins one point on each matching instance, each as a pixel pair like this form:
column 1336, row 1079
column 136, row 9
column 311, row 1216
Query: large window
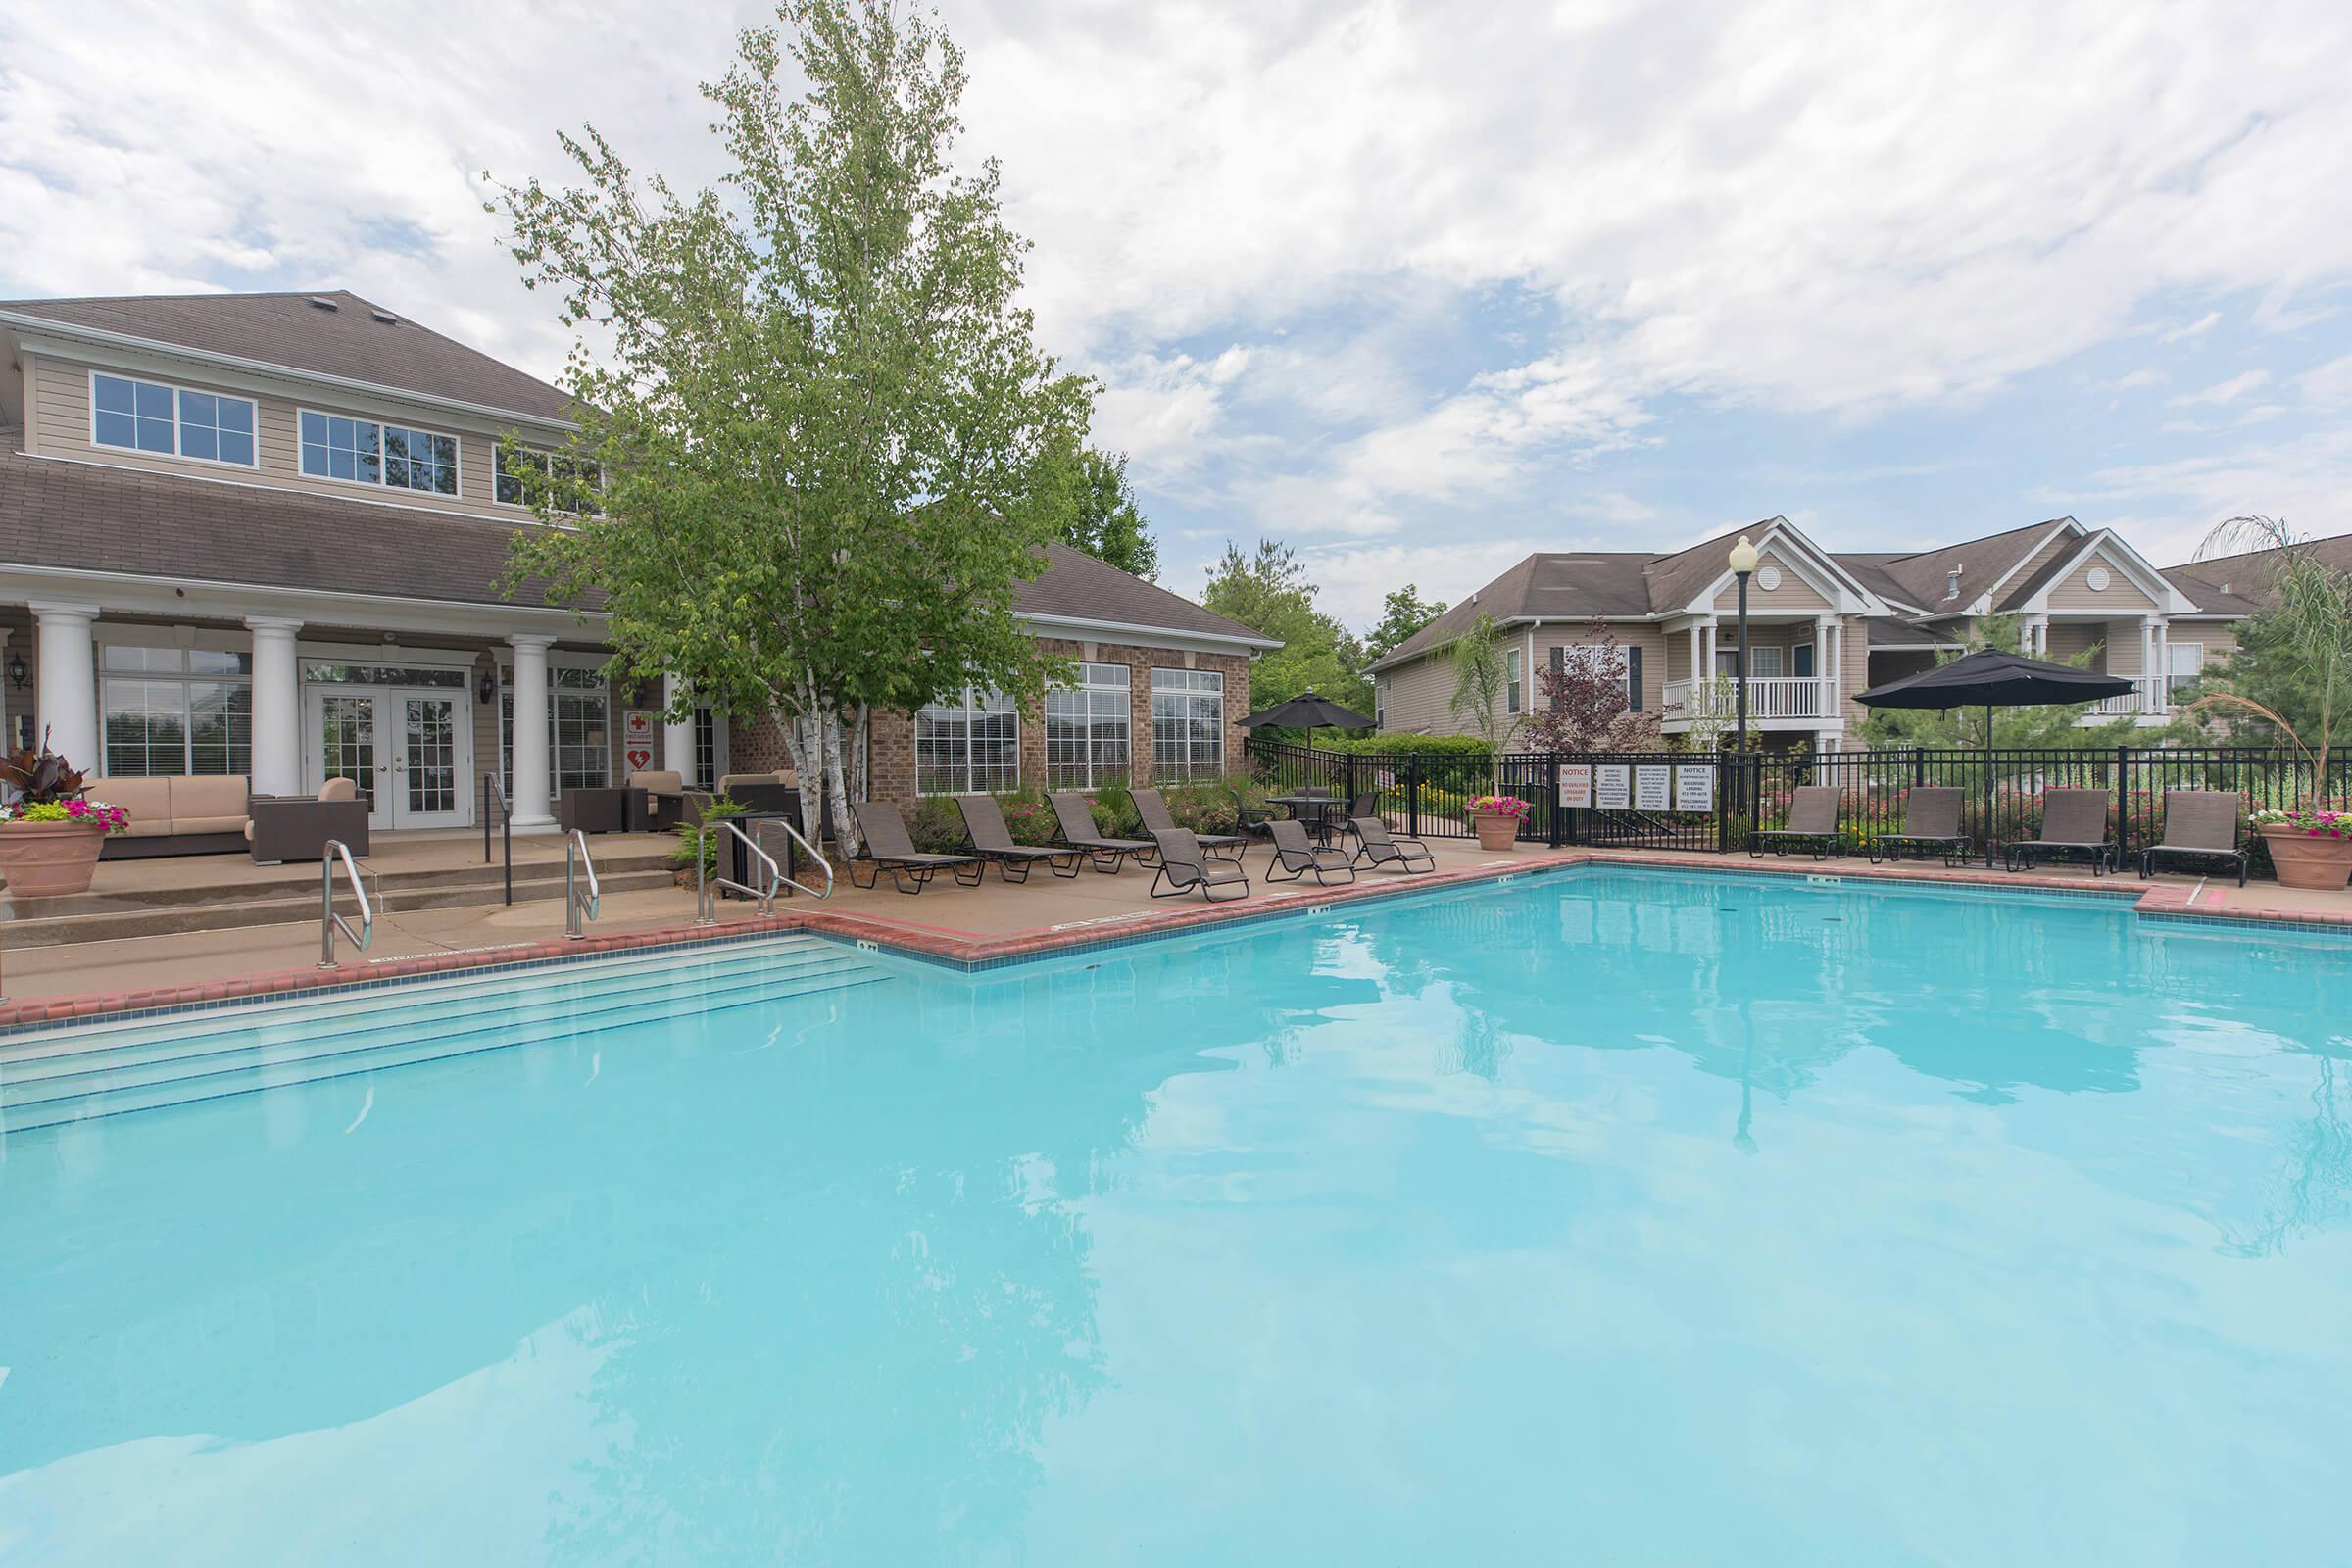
column 2184, row 665
column 174, row 710
column 579, row 735
column 1086, row 729
column 1188, row 723
column 1601, row 658
column 171, row 421
column 576, row 482
column 1513, row 671
column 967, row 743
column 362, row 451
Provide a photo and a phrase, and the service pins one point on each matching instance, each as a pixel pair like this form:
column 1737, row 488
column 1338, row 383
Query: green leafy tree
column 1403, row 613
column 1100, row 515
column 826, row 432
column 1480, row 681
column 2025, row 728
column 1269, row 591
column 2292, row 676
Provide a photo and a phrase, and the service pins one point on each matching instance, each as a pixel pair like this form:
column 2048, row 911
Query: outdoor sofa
column 2198, row 825
column 202, row 814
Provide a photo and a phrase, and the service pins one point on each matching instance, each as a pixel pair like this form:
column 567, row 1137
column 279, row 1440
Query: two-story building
column 1824, row 625
column 266, row 535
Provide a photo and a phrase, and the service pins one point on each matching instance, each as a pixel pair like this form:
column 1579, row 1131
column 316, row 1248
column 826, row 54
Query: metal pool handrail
column 329, row 922
column 577, row 860
column 706, row 886
column 814, row 854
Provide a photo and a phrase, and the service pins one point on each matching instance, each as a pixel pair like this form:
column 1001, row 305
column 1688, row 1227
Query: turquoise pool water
column 1610, row 1217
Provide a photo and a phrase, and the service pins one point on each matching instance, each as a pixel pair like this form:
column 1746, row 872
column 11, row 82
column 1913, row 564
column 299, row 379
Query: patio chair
column 2198, row 825
column 1364, row 802
column 2074, row 821
column 991, row 840
column 1185, row 866
column 1155, row 812
column 1812, row 823
column 1375, row 846
column 1076, row 819
column 1253, row 823
column 1931, row 822
column 1295, row 855
column 887, row 847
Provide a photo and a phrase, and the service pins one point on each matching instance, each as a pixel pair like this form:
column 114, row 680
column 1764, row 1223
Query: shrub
column 1407, row 745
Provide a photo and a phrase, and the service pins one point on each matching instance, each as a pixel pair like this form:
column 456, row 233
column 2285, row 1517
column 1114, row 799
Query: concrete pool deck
column 996, row 922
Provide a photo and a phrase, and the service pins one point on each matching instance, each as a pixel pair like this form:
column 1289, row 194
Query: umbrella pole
column 1987, row 786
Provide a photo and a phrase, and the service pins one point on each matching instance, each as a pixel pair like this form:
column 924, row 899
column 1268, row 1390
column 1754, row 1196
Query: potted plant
column 50, row 829
column 1496, row 818
column 2310, row 847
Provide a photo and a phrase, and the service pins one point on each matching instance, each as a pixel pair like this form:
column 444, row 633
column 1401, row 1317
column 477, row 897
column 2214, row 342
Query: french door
column 408, row 752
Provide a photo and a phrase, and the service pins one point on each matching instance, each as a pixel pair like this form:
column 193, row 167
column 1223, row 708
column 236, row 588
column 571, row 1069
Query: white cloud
column 2329, row 385
column 2168, row 507
column 2222, row 392
column 2196, row 328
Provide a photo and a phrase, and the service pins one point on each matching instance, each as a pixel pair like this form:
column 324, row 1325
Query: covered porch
column 1795, row 674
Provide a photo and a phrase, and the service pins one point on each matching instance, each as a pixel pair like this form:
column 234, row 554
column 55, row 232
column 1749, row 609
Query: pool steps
column 104, row 1070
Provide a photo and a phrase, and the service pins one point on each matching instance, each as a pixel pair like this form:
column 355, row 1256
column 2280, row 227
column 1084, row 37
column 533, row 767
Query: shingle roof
column 1898, row 631
column 2241, row 584
column 1924, row 575
column 91, row 517
column 349, row 342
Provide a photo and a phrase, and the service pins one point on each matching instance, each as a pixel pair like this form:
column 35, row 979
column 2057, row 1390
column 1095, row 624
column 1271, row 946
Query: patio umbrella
column 1989, row 678
column 1307, row 710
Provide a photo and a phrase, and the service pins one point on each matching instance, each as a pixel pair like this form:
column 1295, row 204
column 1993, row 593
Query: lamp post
column 1743, row 565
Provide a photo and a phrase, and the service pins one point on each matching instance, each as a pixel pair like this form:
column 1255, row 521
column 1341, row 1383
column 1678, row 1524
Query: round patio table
column 1312, row 809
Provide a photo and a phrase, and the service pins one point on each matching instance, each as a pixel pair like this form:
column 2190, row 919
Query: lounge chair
column 2072, row 822
column 1931, row 822
column 1253, row 823
column 1295, row 855
column 1076, row 820
column 885, row 847
column 1365, row 803
column 1154, row 811
column 1376, row 847
column 1185, row 866
column 2198, row 825
column 984, row 825
column 1812, row 823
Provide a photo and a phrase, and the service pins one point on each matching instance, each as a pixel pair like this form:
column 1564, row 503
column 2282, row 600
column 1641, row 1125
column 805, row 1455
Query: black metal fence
column 1638, row 799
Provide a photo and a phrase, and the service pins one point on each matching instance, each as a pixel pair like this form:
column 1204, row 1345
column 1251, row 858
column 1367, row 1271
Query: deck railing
column 1768, row 696
column 2149, row 694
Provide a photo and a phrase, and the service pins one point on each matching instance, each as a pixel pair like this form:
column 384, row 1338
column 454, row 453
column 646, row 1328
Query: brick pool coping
column 2169, row 901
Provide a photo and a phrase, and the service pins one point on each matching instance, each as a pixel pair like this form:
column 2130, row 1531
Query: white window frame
column 1585, row 654
column 457, row 461
column 973, row 706
column 1188, row 685
column 504, row 696
column 177, row 391
column 497, row 471
column 1513, row 669
column 1098, row 700
column 162, row 638
column 2176, row 677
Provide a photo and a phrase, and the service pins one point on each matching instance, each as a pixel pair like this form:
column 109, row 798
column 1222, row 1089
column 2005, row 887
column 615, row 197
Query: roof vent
column 1952, row 584
column 321, row 302
column 386, row 316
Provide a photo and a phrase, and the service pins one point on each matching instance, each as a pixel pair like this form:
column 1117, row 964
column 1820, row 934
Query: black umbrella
column 1989, row 678
column 1307, row 710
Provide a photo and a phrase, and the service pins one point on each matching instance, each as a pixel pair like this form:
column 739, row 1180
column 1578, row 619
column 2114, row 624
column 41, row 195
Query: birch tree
column 824, row 429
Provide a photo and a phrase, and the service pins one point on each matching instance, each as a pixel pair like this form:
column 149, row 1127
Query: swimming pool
column 1613, row 1216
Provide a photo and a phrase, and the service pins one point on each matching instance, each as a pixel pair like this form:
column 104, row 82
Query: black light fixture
column 487, row 691
column 19, row 675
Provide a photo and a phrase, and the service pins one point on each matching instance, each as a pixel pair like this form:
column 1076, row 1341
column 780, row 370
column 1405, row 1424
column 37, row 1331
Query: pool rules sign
column 1694, row 786
column 1576, row 786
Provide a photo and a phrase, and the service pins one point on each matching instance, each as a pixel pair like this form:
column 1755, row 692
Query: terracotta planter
column 42, row 859
column 2306, row 861
column 1495, row 831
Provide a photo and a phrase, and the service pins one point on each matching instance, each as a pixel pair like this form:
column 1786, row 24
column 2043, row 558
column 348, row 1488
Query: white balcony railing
column 1768, row 696
column 2149, row 694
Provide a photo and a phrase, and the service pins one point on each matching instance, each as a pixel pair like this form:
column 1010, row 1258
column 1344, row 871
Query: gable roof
column 357, row 341
column 2241, row 584
column 1921, row 577
column 1077, row 588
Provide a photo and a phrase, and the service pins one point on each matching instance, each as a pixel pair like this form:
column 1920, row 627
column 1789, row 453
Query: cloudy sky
column 1417, row 288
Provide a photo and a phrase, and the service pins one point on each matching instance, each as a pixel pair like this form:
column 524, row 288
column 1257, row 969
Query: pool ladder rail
column 706, row 886
column 581, row 893
column 329, row 921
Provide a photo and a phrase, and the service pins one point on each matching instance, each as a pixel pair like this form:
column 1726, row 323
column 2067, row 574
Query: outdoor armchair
column 1184, row 865
column 2074, row 821
column 1931, row 822
column 1076, row 820
column 1812, row 824
column 1376, row 846
column 1294, row 855
column 887, row 847
column 2198, row 825
column 296, row 827
column 991, row 840
column 1154, row 813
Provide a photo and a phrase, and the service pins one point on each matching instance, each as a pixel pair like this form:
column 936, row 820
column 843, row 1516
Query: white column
column 1698, row 653
column 2147, row 657
column 677, row 737
column 66, row 691
column 7, row 740
column 276, row 707
column 2162, row 668
column 527, row 788
column 1821, row 662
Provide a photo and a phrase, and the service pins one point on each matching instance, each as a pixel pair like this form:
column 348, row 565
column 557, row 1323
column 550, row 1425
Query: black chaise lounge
column 1812, row 824
column 991, row 840
column 885, row 847
column 1253, row 823
column 1296, row 855
column 2074, row 821
column 1076, row 820
column 1931, row 823
column 1184, row 865
column 2198, row 825
column 1155, row 812
column 1375, row 846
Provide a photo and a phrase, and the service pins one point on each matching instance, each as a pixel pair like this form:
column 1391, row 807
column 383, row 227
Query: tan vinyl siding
column 2069, row 638
column 2122, row 594
column 1413, row 698
column 1793, row 593
column 61, row 427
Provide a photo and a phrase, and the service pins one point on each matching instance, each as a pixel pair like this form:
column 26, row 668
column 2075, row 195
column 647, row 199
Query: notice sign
column 1576, row 786
column 1613, row 786
column 1694, row 786
column 637, row 728
column 1652, row 782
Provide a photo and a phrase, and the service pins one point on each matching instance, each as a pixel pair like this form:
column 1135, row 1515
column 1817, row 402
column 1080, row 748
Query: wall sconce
column 487, row 691
column 19, row 675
